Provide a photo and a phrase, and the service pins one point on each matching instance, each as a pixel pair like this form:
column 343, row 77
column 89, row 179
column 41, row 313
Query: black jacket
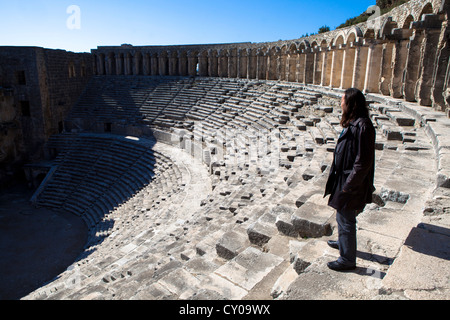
column 350, row 183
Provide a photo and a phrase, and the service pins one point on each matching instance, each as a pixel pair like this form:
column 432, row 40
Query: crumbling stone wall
column 403, row 54
column 38, row 87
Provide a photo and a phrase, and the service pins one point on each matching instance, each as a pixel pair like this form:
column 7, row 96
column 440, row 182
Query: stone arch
column 304, row 45
column 388, row 25
column 353, row 34
column 407, row 23
column 369, row 33
column 426, row 9
column 339, row 39
column 315, row 44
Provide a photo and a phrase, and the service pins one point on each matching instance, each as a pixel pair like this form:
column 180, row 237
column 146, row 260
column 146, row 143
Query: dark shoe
column 333, row 244
column 337, row 266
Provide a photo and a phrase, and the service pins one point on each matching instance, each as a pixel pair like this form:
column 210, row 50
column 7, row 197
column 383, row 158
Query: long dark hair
column 356, row 107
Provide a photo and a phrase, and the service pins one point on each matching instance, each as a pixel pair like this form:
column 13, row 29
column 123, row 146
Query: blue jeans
column 346, row 221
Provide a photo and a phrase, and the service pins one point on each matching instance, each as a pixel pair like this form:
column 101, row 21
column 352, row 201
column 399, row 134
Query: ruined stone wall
column 67, row 75
column 38, row 89
column 403, row 54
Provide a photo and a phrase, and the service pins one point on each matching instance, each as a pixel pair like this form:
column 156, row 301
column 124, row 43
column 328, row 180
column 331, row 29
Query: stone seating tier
column 231, row 223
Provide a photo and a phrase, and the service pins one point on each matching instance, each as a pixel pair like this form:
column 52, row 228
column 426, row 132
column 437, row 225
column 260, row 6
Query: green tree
column 324, row 29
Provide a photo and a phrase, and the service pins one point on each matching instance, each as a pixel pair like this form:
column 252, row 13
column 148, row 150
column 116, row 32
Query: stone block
column 312, row 220
column 317, row 135
column 260, row 233
column 401, row 118
column 225, row 288
column 249, row 267
column 180, row 282
column 231, row 244
column 392, row 132
column 283, row 221
column 283, row 282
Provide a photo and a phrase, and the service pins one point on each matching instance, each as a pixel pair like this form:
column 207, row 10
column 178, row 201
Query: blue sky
column 44, row 22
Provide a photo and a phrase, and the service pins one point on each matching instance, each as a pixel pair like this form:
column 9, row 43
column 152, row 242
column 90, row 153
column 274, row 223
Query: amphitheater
column 199, row 170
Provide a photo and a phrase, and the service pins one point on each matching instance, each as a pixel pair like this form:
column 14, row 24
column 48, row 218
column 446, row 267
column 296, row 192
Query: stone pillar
column 373, row 68
column 192, row 60
column 203, row 64
column 291, row 68
column 212, row 63
column 326, row 67
column 347, row 66
column 101, row 64
column 146, row 64
column 336, row 68
column 222, row 63
column 386, row 68
column 260, row 64
column 243, row 63
column 272, row 62
column 154, row 64
column 399, row 56
column 183, row 64
column 442, row 69
column 251, row 63
column 128, row 70
column 119, row 64
column 163, row 63
column 238, row 63
column 318, row 65
column 301, row 66
column 173, row 63
column 110, row 63
column 360, row 66
column 137, row 63
column 94, row 65
column 282, row 66
column 232, row 63
column 432, row 25
column 309, row 66
column 412, row 66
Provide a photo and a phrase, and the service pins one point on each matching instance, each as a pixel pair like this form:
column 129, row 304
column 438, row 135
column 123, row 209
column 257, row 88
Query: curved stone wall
column 403, row 54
